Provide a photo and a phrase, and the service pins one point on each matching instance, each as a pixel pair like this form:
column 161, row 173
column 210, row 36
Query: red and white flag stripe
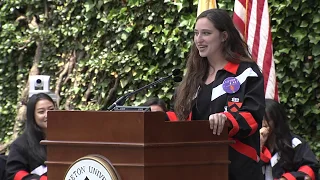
column 251, row 17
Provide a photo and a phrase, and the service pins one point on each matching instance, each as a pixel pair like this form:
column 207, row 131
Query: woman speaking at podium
column 225, row 86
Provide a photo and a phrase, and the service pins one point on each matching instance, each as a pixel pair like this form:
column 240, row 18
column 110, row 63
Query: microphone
column 119, row 102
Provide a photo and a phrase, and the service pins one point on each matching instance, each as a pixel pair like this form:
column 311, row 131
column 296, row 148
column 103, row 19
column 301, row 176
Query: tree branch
column 111, row 92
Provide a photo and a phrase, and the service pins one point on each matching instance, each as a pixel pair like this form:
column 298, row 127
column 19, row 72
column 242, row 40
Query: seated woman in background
column 27, row 156
column 156, row 104
column 285, row 156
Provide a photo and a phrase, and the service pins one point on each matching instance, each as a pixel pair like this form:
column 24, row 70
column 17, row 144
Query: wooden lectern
column 140, row 145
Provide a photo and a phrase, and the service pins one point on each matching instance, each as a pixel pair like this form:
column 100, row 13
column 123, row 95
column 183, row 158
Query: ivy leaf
column 304, row 24
column 123, row 82
column 316, row 50
column 314, row 38
column 179, row 6
column 299, row 35
column 316, row 18
column 88, row 5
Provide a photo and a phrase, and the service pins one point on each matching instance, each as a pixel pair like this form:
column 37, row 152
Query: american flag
column 251, row 17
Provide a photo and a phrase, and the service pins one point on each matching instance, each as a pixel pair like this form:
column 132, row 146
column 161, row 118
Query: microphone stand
column 122, row 99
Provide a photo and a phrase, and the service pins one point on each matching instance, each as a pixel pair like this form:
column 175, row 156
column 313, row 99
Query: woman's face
column 267, row 124
column 155, row 108
column 41, row 110
column 207, row 38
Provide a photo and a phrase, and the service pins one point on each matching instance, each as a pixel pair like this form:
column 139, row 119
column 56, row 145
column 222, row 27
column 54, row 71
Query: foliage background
column 98, row 50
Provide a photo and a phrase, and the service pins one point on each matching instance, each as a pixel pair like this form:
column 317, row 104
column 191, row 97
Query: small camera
column 40, row 84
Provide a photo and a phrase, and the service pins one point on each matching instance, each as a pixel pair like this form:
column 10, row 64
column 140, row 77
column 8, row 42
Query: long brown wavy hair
column 234, row 49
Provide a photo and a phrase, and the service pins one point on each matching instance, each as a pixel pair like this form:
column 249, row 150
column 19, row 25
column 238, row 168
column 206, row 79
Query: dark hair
column 234, row 49
column 280, row 135
column 33, row 132
column 156, row 101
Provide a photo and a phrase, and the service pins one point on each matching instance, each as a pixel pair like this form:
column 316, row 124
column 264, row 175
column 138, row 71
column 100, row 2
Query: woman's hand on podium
column 217, row 122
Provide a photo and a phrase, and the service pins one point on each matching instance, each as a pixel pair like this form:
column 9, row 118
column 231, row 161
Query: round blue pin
column 231, row 85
